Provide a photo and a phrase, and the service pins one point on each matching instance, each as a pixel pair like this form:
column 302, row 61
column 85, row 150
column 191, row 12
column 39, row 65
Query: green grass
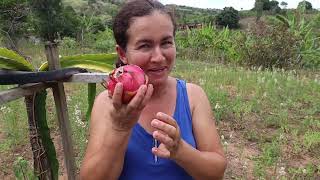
column 279, row 111
column 13, row 124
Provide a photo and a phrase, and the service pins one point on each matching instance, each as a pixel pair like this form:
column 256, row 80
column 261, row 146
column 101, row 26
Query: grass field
column 269, row 121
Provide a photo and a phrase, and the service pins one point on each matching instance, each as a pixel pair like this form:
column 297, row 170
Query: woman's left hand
column 168, row 134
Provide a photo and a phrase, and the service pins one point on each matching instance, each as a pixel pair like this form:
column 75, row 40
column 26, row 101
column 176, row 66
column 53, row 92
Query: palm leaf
column 98, row 62
column 11, row 60
column 92, row 90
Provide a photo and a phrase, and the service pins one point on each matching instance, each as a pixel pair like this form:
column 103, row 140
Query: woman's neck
column 161, row 89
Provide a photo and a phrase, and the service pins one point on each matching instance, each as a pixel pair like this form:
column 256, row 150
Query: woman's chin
column 158, row 81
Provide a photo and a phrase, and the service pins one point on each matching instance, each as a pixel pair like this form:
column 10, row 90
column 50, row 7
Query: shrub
column 68, row 43
column 228, row 17
column 305, row 5
column 270, row 46
column 104, row 41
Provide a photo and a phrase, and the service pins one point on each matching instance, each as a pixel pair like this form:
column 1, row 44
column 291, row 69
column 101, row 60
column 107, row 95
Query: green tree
column 53, row 20
column 305, row 5
column 228, row 17
column 258, row 7
column 284, row 4
column 71, row 23
column 49, row 21
column 14, row 21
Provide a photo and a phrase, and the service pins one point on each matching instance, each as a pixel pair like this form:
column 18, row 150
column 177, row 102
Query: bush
column 270, row 47
column 105, row 41
column 228, row 17
column 68, row 43
column 305, row 5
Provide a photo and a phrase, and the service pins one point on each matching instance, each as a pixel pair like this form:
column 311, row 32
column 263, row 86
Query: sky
column 237, row 4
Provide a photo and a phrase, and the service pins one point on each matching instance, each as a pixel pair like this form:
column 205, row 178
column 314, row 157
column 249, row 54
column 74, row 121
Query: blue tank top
column 139, row 162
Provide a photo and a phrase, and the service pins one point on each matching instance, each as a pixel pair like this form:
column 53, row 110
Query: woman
column 123, row 137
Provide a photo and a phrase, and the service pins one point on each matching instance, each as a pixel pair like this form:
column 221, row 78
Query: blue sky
column 237, row 4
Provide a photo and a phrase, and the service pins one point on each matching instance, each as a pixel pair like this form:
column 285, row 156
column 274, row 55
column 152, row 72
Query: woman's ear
column 122, row 54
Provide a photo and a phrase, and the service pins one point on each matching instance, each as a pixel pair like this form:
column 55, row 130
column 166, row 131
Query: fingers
column 161, row 151
column 117, row 96
column 137, row 99
column 147, row 95
column 167, row 119
column 163, row 138
column 166, row 124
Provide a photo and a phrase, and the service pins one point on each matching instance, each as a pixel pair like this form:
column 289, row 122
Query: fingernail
column 154, row 123
column 155, row 133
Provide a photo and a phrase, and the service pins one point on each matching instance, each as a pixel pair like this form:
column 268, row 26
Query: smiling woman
column 167, row 130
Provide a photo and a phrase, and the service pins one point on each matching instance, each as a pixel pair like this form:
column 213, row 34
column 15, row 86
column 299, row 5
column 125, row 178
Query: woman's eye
column 144, row 46
column 167, row 43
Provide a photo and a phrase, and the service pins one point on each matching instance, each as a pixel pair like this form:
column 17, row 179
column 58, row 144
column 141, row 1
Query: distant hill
column 186, row 14
column 106, row 9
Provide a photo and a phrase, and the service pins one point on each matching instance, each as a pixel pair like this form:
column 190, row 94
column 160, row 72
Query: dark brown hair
column 126, row 15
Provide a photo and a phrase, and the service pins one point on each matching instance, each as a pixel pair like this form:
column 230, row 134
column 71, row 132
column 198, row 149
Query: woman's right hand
column 124, row 116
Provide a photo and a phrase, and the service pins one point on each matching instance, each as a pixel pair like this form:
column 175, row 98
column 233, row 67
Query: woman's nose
column 157, row 55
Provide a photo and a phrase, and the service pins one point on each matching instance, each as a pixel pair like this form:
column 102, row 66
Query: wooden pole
column 29, row 89
column 62, row 111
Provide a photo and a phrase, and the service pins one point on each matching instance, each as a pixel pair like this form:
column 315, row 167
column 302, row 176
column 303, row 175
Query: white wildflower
column 217, row 106
column 222, row 137
column 226, row 143
column 202, row 82
column 282, row 171
column 3, row 108
column 265, row 94
column 245, row 165
column 77, row 113
column 281, row 136
column 68, row 98
column 304, row 171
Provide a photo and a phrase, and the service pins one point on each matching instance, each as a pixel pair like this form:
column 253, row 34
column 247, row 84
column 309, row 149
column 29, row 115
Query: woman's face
column 151, row 46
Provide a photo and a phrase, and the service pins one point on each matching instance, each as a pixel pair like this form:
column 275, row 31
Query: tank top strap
column 182, row 102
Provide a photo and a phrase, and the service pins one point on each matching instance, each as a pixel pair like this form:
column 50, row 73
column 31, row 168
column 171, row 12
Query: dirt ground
column 238, row 155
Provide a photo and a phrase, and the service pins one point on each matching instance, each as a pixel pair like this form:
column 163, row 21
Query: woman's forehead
column 156, row 22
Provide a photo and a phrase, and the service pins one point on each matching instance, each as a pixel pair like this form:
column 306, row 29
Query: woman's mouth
column 157, row 71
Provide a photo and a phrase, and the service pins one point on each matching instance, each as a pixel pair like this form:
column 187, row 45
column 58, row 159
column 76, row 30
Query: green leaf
column 98, row 62
column 92, row 89
column 41, row 119
column 11, row 60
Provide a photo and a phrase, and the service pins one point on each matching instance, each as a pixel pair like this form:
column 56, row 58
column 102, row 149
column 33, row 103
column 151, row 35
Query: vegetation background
column 260, row 69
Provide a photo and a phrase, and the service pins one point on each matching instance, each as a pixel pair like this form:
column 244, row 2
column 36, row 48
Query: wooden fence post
column 62, row 111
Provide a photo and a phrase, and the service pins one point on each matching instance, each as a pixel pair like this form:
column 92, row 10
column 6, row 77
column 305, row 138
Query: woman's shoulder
column 195, row 94
column 192, row 88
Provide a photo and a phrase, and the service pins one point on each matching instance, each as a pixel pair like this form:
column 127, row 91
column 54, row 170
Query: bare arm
column 205, row 162
column 208, row 160
column 110, row 128
column 105, row 151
